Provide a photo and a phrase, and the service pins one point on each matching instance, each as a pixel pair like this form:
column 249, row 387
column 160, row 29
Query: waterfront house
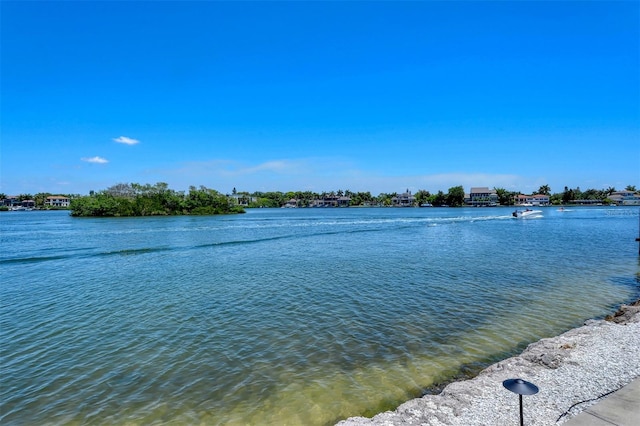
column 11, row 201
column 482, row 197
column 331, row 200
column 14, row 203
column 57, row 201
column 532, row 200
column 292, row 203
column 327, row 200
column 242, row 199
column 587, row 202
column 404, row 200
column 625, row 198
column 540, row 200
column 344, row 201
column 521, row 200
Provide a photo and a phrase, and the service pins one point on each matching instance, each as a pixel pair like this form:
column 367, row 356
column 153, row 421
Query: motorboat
column 527, row 213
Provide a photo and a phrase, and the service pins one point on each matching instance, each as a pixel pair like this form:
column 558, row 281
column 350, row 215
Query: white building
column 625, row 198
column 532, row 200
column 57, row 201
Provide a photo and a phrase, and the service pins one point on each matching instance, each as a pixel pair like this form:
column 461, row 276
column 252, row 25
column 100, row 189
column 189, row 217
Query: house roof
column 481, row 189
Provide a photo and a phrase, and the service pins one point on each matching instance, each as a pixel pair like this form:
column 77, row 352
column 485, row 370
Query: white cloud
column 277, row 166
column 125, row 140
column 229, row 168
column 96, row 159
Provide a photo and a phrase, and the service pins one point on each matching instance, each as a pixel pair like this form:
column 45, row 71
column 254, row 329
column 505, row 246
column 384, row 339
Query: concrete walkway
column 621, row 408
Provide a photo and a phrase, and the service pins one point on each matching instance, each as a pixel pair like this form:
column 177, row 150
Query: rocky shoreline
column 573, row 371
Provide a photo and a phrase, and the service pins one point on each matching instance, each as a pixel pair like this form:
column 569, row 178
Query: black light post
column 521, row 387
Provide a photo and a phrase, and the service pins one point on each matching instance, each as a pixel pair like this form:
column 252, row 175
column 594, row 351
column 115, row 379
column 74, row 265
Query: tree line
column 152, row 200
column 134, row 199
column 454, row 197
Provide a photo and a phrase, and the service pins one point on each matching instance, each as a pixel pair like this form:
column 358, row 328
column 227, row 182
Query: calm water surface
column 286, row 316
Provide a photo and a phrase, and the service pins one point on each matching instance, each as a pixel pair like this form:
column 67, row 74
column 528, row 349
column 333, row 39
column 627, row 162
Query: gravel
column 572, row 371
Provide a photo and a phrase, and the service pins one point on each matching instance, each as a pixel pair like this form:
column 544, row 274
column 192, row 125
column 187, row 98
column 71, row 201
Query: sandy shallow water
column 572, row 371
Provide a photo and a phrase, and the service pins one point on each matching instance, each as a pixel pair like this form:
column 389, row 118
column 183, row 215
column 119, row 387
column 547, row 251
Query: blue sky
column 320, row 96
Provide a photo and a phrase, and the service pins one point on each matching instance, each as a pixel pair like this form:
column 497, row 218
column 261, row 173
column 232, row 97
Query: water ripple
column 277, row 317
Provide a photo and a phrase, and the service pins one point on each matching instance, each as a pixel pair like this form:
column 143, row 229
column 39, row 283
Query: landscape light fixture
column 521, row 387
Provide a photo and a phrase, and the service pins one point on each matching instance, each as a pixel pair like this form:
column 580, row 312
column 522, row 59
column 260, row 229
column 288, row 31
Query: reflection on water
column 292, row 316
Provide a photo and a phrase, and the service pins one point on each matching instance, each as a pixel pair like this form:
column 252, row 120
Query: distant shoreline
column 511, row 206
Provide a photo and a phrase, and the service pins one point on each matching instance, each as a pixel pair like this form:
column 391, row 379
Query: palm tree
column 544, row 190
column 504, row 196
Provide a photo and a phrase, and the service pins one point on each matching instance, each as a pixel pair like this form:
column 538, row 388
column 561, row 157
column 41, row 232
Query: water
column 286, row 316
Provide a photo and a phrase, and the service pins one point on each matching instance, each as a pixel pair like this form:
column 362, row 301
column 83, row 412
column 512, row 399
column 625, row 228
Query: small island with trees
column 152, row 200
